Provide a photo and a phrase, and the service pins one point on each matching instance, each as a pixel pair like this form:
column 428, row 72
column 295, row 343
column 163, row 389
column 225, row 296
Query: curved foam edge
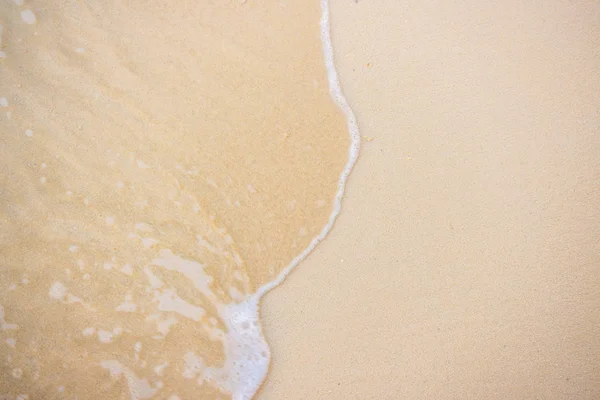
column 340, row 100
column 252, row 371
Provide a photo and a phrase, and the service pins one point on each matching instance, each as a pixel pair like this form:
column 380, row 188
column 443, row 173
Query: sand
column 160, row 163
column 465, row 263
column 140, row 202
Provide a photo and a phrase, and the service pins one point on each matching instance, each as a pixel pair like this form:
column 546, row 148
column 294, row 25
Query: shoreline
column 463, row 264
column 353, row 152
column 254, row 302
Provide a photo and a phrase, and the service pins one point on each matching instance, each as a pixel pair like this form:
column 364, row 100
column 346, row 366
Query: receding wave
column 163, row 166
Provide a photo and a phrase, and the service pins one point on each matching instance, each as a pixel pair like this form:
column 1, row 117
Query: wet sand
column 466, row 262
column 160, row 163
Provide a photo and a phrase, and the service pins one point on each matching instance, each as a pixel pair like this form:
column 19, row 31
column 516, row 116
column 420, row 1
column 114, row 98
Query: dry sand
column 466, row 261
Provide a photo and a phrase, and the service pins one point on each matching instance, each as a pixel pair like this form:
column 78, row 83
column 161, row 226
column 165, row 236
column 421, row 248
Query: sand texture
column 466, row 261
column 160, row 162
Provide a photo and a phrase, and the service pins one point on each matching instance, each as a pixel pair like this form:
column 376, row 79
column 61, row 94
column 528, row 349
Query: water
column 162, row 168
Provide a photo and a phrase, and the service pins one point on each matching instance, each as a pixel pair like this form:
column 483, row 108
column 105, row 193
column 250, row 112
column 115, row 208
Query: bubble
column 28, row 17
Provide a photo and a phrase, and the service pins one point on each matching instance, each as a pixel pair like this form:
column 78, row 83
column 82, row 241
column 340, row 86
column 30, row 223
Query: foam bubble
column 142, row 226
column 142, row 165
column 138, row 388
column 127, row 306
column 105, row 336
column 127, row 269
column 168, row 300
column 149, row 242
column 4, row 325
column 89, row 331
column 57, row 291
column 159, row 369
column 28, row 17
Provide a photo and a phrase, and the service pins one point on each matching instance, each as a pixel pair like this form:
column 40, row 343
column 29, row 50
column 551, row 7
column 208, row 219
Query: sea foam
column 251, row 352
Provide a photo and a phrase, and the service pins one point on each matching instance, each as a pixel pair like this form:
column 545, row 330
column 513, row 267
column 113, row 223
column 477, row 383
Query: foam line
column 340, row 100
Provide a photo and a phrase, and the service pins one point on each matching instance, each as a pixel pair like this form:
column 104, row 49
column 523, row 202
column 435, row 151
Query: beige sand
column 160, row 161
column 466, row 260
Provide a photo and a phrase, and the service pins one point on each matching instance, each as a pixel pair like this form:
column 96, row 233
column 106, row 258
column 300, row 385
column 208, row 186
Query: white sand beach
column 465, row 263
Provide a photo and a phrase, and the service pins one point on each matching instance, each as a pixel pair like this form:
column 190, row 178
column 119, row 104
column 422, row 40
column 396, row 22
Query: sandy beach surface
column 466, row 261
column 160, row 164
column 163, row 163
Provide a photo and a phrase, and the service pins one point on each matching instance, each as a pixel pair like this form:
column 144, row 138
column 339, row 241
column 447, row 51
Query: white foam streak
column 340, row 100
column 245, row 392
column 138, row 388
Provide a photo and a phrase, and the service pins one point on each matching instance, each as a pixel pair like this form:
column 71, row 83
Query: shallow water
column 160, row 166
